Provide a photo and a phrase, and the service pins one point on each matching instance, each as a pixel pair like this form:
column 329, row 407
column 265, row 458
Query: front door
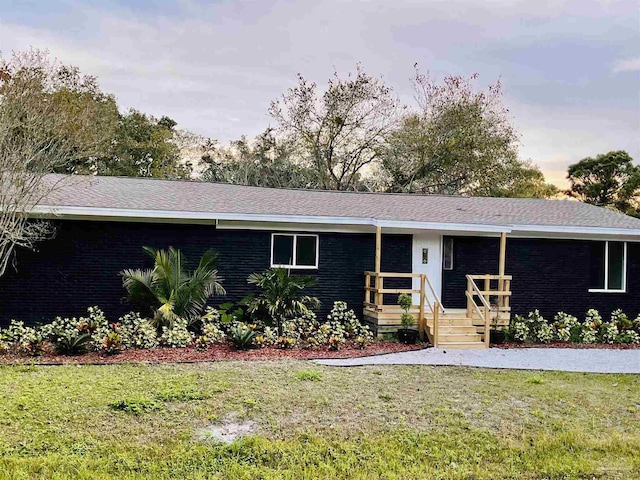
column 427, row 259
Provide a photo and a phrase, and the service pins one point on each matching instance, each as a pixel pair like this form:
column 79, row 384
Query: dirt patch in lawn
column 226, row 431
column 600, row 346
column 215, row 353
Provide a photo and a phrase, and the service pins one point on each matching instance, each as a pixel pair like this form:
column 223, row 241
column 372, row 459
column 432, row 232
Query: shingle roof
column 120, row 193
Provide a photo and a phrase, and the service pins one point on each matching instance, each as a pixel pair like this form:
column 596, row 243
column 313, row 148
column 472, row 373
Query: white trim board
column 171, row 216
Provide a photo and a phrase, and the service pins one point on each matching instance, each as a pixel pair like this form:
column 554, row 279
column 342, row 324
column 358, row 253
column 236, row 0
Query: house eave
column 176, row 216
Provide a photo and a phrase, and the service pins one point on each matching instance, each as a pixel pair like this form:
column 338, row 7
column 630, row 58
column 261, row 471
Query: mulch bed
column 215, row 353
column 595, row 346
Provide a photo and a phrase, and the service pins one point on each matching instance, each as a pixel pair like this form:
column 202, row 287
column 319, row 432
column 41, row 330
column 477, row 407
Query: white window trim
column 606, row 288
column 295, row 248
column 443, row 253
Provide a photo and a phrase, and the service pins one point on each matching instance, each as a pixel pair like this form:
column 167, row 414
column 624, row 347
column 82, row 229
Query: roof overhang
column 237, row 220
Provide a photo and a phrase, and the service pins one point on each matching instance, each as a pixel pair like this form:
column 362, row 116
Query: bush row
column 93, row 332
column 534, row 328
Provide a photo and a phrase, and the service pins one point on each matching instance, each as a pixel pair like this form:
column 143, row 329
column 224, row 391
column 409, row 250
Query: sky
column 570, row 69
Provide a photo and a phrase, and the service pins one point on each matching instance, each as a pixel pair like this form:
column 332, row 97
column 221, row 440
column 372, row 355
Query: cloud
column 214, row 67
column 627, row 65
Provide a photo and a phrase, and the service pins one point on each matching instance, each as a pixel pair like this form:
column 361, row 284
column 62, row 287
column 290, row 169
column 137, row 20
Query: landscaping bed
column 211, row 354
column 594, row 346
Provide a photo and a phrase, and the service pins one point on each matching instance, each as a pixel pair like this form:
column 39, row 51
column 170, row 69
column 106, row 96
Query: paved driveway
column 564, row 359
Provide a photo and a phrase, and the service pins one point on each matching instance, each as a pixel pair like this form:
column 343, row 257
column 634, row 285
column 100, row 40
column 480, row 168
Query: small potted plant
column 497, row 333
column 406, row 334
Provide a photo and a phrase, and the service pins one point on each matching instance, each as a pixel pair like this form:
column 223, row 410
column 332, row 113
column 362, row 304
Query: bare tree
column 341, row 132
column 39, row 134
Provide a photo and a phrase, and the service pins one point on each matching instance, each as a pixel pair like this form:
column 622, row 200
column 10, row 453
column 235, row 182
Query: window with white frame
column 294, row 250
column 447, row 253
column 608, row 267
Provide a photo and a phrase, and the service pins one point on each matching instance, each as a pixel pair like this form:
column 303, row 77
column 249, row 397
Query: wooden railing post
column 421, row 320
column 487, row 326
column 469, row 298
column 507, row 288
column 379, row 295
column 436, row 317
column 367, row 285
column 487, row 289
column 378, row 248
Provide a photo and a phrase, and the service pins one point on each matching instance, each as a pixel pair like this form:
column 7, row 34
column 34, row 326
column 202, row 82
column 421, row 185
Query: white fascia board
column 84, row 212
column 447, row 227
column 582, row 231
column 520, row 230
column 69, row 211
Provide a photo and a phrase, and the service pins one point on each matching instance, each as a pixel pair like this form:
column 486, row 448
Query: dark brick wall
column 80, row 266
column 550, row 275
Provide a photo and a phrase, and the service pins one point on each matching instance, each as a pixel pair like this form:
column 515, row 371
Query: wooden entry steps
column 455, row 331
column 450, row 328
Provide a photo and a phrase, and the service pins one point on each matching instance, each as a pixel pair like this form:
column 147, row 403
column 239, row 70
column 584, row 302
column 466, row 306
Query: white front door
column 427, row 258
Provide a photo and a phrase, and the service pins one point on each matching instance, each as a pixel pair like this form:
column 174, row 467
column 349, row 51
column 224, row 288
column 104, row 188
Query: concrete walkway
column 563, row 359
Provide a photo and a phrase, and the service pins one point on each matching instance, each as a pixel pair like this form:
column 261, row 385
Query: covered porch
column 487, row 300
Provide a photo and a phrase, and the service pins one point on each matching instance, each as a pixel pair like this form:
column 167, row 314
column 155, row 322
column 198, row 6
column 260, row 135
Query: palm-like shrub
column 280, row 296
column 169, row 291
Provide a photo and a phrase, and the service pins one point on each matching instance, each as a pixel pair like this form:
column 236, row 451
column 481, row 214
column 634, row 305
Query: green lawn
column 316, row 422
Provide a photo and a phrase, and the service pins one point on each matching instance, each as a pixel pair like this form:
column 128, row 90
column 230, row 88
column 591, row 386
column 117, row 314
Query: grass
column 363, row 423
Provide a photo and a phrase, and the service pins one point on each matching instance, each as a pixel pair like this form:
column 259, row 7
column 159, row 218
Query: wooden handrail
column 377, row 291
column 393, row 274
column 490, row 277
column 503, row 293
column 475, row 305
column 436, row 299
column 480, row 293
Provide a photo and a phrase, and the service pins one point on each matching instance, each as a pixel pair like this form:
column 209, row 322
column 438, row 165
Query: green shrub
column 112, row 343
column 629, row 336
column 285, row 342
column 279, row 296
column 309, row 376
column 336, row 341
column 620, row 320
column 608, row 332
column 363, row 341
column 405, row 301
column 518, row 330
column 18, row 338
column 72, row 343
column 211, row 335
column 242, row 336
column 177, row 335
column 266, row 338
column 96, row 324
column 593, row 319
column 589, row 335
column 136, row 406
column 567, row 328
column 138, row 332
column 70, row 336
column 351, row 327
column 406, row 320
column 228, row 314
column 169, row 291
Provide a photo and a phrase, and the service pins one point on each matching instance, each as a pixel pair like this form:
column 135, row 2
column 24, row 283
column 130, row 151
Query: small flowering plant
column 177, row 335
column 138, row 332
